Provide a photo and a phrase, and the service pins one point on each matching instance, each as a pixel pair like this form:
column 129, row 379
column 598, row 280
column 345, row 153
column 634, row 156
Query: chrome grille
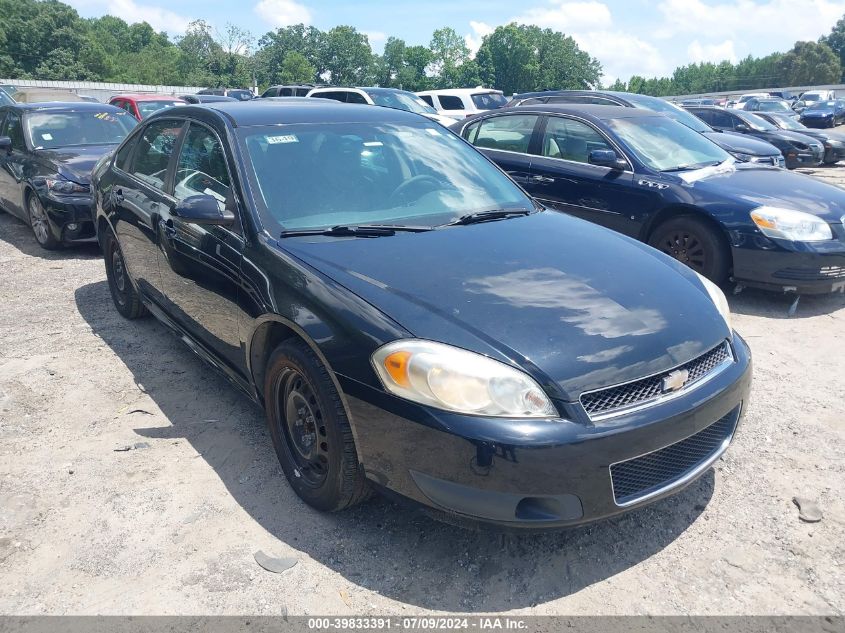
column 605, row 401
column 652, row 473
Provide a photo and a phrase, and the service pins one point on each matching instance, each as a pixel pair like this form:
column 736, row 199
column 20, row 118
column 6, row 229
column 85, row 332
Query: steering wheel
column 402, row 190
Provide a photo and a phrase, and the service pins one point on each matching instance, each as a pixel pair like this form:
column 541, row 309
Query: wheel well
column 102, row 227
column 673, row 212
column 266, row 338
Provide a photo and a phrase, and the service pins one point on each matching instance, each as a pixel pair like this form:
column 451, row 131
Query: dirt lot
column 171, row 526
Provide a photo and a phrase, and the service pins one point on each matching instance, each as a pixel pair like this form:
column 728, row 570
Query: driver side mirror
column 607, row 158
column 203, row 209
column 741, row 127
column 5, row 144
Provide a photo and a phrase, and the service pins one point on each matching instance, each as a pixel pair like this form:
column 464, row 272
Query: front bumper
column 834, row 153
column 803, row 158
column 818, row 121
column 783, row 266
column 531, row 474
column 71, row 218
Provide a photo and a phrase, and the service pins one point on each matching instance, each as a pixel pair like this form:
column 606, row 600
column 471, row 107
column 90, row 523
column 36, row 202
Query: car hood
column 75, row 163
column 796, row 136
column 817, row 112
column 577, row 306
column 749, row 186
column 742, row 143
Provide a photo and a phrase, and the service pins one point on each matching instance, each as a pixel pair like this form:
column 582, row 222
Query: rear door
column 507, row 139
column 200, row 265
column 12, row 165
column 563, row 178
column 138, row 196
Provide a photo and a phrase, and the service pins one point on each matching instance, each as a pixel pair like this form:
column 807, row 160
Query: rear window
column 489, row 100
column 450, row 102
column 427, row 99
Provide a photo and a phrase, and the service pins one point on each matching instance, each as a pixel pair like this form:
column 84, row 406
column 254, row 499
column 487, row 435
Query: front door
column 200, row 264
column 12, row 166
column 562, row 177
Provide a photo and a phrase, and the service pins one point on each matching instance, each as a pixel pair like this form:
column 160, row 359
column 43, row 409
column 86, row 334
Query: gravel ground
column 171, row 526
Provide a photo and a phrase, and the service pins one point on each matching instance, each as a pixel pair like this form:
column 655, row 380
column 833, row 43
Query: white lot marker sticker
column 286, row 138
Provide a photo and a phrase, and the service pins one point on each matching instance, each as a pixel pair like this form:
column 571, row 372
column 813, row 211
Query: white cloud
column 715, row 53
column 278, row 13
column 781, row 22
column 375, row 36
column 622, row 54
column 568, row 16
column 132, row 12
column 479, row 30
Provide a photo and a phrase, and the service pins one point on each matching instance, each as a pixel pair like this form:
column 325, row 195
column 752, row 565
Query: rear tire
column 126, row 298
column 310, row 430
column 694, row 243
column 40, row 224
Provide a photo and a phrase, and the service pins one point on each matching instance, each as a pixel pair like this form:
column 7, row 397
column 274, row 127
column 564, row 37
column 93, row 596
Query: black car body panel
column 740, row 146
column 24, row 171
column 798, row 150
column 834, row 142
column 634, row 201
column 525, row 291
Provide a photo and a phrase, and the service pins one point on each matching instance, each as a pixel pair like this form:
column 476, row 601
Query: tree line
column 47, row 39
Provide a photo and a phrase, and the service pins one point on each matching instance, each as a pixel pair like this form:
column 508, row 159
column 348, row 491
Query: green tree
column 296, row 69
column 810, row 63
column 449, row 55
column 836, row 41
column 274, row 46
column 345, row 55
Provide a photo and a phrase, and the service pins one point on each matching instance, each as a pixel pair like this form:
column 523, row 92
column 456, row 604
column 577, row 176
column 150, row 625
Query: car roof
column 596, row 112
column 64, row 106
column 291, row 110
column 147, row 97
column 459, row 92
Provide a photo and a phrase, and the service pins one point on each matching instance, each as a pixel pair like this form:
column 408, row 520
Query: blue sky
column 645, row 37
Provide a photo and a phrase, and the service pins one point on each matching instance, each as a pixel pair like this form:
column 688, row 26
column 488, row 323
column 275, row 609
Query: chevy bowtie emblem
column 675, row 380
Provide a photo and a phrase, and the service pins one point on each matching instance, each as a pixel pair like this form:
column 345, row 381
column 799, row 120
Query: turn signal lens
column 396, row 365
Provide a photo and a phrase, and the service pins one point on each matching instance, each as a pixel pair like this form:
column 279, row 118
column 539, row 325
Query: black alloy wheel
column 126, row 298
column 40, row 224
column 694, row 243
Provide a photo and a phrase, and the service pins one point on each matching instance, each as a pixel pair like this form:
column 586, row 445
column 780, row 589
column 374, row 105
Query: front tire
column 310, row 430
column 40, row 224
column 694, row 243
column 126, row 298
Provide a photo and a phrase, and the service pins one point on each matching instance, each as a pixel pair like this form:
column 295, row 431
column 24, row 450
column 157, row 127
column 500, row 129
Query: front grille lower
column 811, row 274
column 644, row 476
column 606, row 401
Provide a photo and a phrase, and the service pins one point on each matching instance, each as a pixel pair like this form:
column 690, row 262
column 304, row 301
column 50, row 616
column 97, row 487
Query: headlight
column 718, row 298
column 788, row 224
column 744, row 158
column 799, row 145
column 67, row 187
column 456, row 380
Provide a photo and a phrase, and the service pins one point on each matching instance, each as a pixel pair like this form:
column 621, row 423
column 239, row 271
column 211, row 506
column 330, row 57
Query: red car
column 142, row 106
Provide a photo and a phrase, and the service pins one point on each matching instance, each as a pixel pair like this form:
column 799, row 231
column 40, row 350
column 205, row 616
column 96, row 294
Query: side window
column 201, row 169
column 534, row 101
column 450, row 102
column 270, row 92
column 354, row 97
column 286, row 92
column 121, row 159
column 301, row 92
column 14, row 130
column 336, row 95
column 571, row 140
column 511, row 133
column 704, row 115
column 427, row 99
column 155, row 147
column 471, row 132
column 722, row 119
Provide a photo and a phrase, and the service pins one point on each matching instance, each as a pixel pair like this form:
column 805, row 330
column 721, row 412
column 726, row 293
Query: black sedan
column 742, row 147
column 206, row 98
column 834, row 142
column 656, row 180
column 47, row 152
column 798, row 150
column 411, row 321
column 824, row 113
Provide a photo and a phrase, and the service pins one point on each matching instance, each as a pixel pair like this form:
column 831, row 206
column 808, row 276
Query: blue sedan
column 824, row 114
column 651, row 178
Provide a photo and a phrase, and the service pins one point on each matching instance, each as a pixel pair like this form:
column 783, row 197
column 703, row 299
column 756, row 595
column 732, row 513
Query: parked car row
column 378, row 284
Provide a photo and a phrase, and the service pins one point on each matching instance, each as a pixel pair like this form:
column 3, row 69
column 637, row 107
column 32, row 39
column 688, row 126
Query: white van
column 459, row 103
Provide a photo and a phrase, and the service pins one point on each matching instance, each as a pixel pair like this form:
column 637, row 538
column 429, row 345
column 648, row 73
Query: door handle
column 167, row 228
column 117, row 195
column 542, row 180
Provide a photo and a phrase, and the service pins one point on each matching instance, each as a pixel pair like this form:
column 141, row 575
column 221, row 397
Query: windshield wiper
column 364, row 230
column 690, row 166
column 486, row 216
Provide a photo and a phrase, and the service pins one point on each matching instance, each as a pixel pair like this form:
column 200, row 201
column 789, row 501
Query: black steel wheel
column 695, row 243
column 40, row 224
column 311, row 431
column 123, row 293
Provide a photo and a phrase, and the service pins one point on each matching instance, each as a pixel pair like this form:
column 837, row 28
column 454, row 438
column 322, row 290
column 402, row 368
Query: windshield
column 670, row 109
column 400, row 101
column 489, row 100
column 351, row 174
column 755, row 122
column 146, row 108
column 69, row 129
column 788, row 123
column 774, row 106
column 5, row 99
column 665, row 145
column 810, row 97
column 822, row 105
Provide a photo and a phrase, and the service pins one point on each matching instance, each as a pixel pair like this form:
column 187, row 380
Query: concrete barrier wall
column 102, row 91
